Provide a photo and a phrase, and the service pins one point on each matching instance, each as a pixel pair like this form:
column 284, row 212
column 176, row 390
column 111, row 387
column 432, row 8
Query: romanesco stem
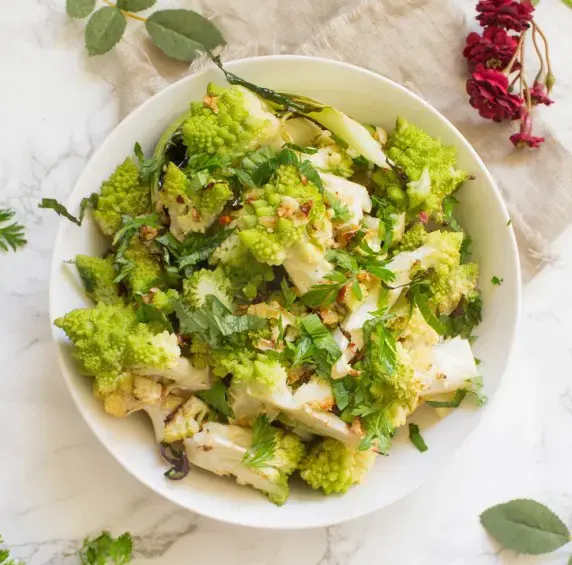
column 125, row 12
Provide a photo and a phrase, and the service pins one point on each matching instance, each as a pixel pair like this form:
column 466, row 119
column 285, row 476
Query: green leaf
column 466, row 318
column 341, row 211
column 525, row 526
column 79, row 8
column 135, row 5
column 454, row 403
column 321, row 336
column 341, row 393
column 147, row 167
column 214, row 322
column 497, row 280
column 322, row 294
column 61, row 210
column 301, row 352
column 105, row 550
column 216, row 397
column 300, row 149
column 182, row 34
column 261, row 452
column 198, row 247
column 12, row 235
column 416, row 438
column 104, row 29
column 289, row 295
column 307, row 171
column 420, row 299
column 343, row 260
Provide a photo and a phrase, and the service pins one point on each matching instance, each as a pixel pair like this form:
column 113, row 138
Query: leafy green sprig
column 180, row 34
column 12, row 236
column 261, row 452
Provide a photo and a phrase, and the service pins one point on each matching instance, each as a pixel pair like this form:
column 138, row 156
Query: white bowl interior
column 367, row 97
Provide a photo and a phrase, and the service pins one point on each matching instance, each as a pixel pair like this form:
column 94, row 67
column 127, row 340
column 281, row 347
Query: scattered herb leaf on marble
column 79, row 8
column 12, row 235
column 525, row 526
column 5, row 556
column 182, row 34
column 497, row 280
column 106, row 550
column 416, row 438
column 104, row 29
column 52, row 204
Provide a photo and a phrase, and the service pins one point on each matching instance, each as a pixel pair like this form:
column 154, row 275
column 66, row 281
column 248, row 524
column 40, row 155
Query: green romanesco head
column 203, row 283
column 265, row 246
column 440, row 250
column 229, row 121
column 164, row 300
column 428, row 164
column 334, row 467
column 413, row 238
column 98, row 277
column 122, row 194
column 192, row 210
column 145, row 349
column 100, row 336
column 269, row 373
column 109, row 342
column 288, row 452
column 201, row 353
column 448, row 285
column 146, row 271
column 238, row 362
column 245, row 273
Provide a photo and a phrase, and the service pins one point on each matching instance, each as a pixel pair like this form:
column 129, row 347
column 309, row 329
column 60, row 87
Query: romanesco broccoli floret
column 200, row 353
column 110, row 344
column 413, row 238
column 429, row 166
column 288, row 452
column 164, row 301
column 98, row 277
column 245, row 273
column 187, row 420
column 334, row 467
column 229, row 121
column 145, row 270
column 238, row 362
column 122, row 194
column 449, row 285
column 203, row 283
column 134, row 393
column 191, row 210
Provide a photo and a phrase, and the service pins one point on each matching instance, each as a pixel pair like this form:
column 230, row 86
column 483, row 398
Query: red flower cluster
column 508, row 14
column 494, row 49
column 489, row 94
column 524, row 137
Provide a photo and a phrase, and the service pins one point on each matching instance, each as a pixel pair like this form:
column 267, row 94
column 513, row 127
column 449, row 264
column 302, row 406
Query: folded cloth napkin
column 416, row 43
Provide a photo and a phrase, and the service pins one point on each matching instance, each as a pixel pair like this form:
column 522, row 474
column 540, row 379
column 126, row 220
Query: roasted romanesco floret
column 203, row 283
column 334, row 467
column 449, row 285
column 145, row 270
column 122, row 194
column 429, row 166
column 187, row 420
column 191, row 210
column 229, row 121
column 110, row 345
column 243, row 271
column 98, row 277
column 413, row 238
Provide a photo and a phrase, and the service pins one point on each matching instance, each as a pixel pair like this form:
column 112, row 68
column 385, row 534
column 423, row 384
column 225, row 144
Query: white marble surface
column 57, row 484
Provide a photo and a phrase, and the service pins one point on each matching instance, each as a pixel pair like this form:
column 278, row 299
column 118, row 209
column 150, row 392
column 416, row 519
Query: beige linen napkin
column 414, row 42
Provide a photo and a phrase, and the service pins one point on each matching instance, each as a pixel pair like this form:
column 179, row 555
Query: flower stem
column 538, row 52
column 550, row 76
column 125, row 12
column 507, row 70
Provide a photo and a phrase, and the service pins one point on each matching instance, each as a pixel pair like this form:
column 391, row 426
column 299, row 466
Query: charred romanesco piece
column 244, row 272
column 187, row 420
column 428, row 164
column 334, row 467
column 98, row 277
column 281, row 214
column 204, row 283
column 122, row 194
column 191, row 210
column 448, row 286
column 145, row 272
column 229, row 120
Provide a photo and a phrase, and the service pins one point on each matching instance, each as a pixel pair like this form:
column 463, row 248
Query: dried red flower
column 489, row 94
column 539, row 94
column 494, row 49
column 508, row 14
column 423, row 217
column 524, row 137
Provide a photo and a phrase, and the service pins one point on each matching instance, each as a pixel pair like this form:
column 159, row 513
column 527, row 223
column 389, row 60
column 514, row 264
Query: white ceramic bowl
column 367, row 97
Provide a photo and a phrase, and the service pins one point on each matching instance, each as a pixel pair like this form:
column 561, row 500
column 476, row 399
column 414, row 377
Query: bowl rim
column 133, row 117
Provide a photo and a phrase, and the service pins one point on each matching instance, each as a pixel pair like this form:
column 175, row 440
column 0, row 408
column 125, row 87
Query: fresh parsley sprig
column 12, row 236
column 52, row 204
column 263, row 447
column 106, row 550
